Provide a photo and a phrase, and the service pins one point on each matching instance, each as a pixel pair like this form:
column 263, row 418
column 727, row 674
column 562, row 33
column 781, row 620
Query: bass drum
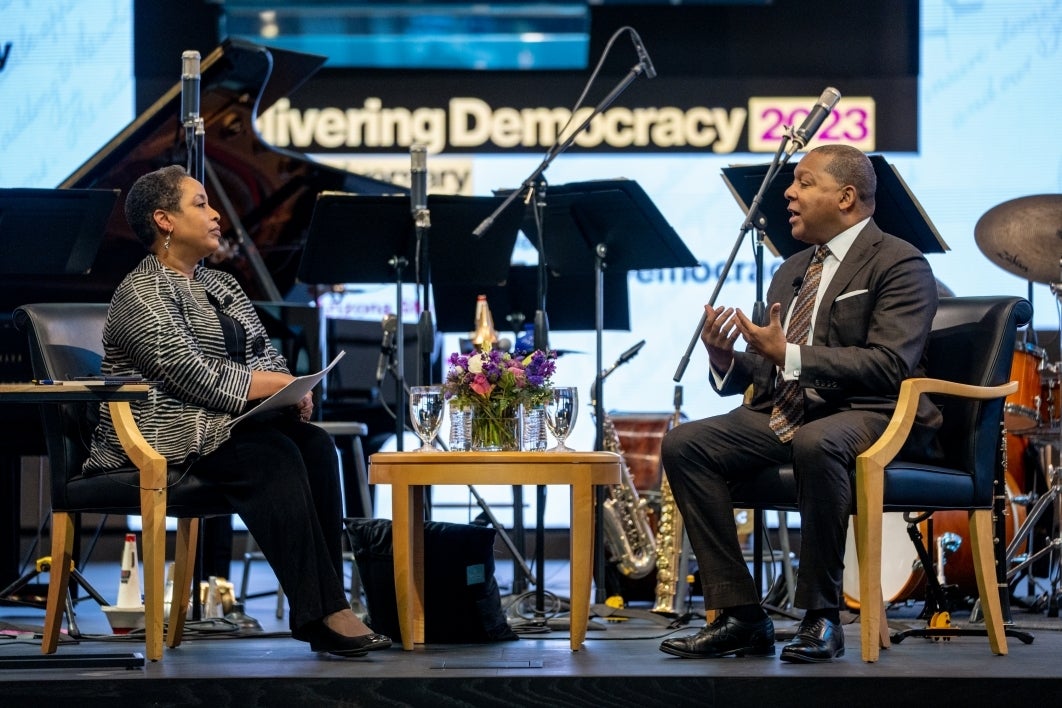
column 902, row 577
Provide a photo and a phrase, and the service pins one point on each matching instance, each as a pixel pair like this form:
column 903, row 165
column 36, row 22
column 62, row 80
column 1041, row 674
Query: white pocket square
column 853, row 293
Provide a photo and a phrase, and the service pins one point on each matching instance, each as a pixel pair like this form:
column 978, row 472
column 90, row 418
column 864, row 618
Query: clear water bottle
column 460, row 429
column 533, row 429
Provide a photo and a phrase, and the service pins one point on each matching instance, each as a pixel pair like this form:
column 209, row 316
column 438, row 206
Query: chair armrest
column 892, row 440
column 151, row 464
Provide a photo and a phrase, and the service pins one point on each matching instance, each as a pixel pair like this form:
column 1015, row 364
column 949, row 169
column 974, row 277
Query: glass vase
column 495, row 433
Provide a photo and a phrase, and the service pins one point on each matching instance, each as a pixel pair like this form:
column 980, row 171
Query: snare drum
column 1021, row 412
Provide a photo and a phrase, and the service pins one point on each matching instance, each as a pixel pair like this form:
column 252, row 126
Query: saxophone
column 625, row 516
column 671, row 563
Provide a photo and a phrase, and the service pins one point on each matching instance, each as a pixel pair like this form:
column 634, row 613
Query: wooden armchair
column 970, row 351
column 65, row 341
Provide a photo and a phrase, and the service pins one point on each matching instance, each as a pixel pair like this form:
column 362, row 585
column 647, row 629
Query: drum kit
column 1024, row 237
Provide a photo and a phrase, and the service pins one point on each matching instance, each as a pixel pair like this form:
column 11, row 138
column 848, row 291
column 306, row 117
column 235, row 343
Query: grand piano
column 265, row 195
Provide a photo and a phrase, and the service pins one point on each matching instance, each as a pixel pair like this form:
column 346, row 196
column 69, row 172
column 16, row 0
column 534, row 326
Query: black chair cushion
column 118, row 493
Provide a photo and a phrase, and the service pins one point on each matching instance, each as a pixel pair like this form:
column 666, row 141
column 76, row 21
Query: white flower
column 475, row 364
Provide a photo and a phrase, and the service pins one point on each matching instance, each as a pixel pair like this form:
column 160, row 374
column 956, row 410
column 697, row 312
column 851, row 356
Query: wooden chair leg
column 981, row 529
column 153, row 514
column 884, row 640
column 183, row 572
column 58, row 578
column 869, row 502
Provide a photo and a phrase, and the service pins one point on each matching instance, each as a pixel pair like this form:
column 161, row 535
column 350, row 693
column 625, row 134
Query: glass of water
column 561, row 411
column 426, row 405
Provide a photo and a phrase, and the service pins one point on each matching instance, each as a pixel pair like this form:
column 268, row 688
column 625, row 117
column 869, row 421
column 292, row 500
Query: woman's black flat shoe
column 324, row 640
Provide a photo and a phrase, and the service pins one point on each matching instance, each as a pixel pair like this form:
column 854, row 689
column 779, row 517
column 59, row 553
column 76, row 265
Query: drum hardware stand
column 1053, row 545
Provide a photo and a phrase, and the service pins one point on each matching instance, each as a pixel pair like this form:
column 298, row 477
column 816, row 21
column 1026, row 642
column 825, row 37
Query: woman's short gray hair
column 160, row 189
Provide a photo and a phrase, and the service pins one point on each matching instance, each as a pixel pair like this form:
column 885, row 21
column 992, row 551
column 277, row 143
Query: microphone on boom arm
column 803, row 135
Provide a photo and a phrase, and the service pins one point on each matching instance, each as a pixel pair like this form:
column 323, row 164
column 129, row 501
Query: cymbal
column 1023, row 236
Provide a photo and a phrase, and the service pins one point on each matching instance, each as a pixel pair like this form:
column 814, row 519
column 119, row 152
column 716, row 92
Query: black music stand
column 72, row 221
column 898, row 211
column 380, row 251
column 514, row 301
column 356, row 238
column 613, row 225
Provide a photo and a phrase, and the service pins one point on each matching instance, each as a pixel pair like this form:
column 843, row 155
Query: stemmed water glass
column 561, row 411
column 426, row 405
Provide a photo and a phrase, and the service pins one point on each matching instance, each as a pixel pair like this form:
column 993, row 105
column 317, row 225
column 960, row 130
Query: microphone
column 797, row 282
column 390, row 326
column 643, row 56
column 189, row 87
column 418, row 181
column 814, row 121
column 630, row 353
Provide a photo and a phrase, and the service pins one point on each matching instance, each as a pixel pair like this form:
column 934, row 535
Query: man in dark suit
column 845, row 325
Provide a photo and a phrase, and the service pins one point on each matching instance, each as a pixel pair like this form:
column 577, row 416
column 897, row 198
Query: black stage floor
column 619, row 665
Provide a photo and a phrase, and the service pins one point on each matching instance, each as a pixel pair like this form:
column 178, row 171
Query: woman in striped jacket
column 194, row 329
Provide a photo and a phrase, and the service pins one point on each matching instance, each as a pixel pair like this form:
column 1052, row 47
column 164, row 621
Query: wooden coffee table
column 409, row 472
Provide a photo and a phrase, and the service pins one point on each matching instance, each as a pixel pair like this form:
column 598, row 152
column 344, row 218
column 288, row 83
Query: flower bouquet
column 493, row 385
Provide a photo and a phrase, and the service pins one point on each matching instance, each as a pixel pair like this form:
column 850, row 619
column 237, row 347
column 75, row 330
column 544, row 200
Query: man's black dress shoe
column 815, row 642
column 725, row 636
column 322, row 639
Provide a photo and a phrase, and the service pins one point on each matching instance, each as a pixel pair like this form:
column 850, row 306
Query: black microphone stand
column 398, row 263
column 195, row 144
column 425, row 325
column 753, row 219
column 534, row 187
column 600, row 493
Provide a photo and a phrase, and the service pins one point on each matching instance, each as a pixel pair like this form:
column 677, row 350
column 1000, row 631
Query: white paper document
column 292, row 393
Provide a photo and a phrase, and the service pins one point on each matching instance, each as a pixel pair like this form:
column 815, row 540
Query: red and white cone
column 129, row 587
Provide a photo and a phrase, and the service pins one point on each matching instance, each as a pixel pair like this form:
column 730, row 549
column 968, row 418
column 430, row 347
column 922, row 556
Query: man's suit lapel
column 863, row 249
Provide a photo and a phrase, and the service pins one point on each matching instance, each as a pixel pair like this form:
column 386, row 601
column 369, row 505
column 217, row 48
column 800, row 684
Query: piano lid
column 272, row 190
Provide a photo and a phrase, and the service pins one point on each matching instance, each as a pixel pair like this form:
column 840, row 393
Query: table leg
column 582, row 552
column 417, row 549
column 403, row 537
